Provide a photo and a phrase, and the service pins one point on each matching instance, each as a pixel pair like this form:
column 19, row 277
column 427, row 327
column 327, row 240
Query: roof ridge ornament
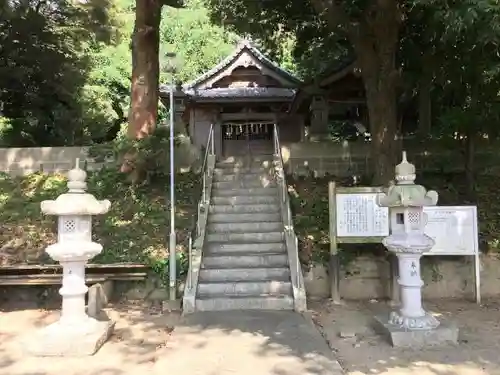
column 246, row 40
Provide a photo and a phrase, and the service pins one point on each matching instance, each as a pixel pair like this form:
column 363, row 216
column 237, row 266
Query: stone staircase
column 245, row 262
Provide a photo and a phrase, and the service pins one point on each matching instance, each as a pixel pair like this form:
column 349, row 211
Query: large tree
column 143, row 111
column 371, row 30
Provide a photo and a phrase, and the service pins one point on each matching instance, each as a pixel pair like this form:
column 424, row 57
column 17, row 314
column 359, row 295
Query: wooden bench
column 52, row 274
column 100, row 277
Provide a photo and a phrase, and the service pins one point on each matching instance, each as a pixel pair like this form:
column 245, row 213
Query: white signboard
column 454, row 228
column 358, row 215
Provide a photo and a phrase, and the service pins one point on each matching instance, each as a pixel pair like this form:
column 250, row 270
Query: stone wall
column 368, row 277
column 341, row 159
column 22, row 161
column 344, row 159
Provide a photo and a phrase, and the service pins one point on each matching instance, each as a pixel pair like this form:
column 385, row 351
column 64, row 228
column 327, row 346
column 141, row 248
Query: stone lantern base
column 61, row 340
column 445, row 333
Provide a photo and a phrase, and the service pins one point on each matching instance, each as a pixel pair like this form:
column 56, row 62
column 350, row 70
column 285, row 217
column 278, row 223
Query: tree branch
column 332, row 12
column 173, row 3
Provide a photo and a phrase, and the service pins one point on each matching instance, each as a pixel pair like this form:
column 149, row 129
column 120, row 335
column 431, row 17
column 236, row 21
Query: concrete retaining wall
column 22, row 161
column 445, row 277
column 340, row 159
column 344, row 159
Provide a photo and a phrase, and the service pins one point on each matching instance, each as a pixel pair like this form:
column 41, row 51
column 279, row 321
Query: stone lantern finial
column 77, row 178
column 405, row 172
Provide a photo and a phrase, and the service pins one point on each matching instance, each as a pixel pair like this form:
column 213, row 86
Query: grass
column 135, row 229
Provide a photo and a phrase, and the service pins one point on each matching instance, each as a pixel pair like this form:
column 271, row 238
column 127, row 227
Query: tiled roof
column 231, row 92
column 242, row 92
column 244, row 44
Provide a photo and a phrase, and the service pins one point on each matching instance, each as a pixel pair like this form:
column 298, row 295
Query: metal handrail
column 280, row 176
column 209, row 150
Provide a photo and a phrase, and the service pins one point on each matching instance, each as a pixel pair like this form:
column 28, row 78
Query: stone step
column 250, row 287
column 238, row 260
column 243, row 209
column 210, row 275
column 272, row 191
column 242, row 248
column 247, row 184
column 244, row 218
column 245, row 165
column 246, row 237
column 241, row 170
column 242, row 176
column 247, row 159
column 245, row 200
column 242, row 227
column 243, row 302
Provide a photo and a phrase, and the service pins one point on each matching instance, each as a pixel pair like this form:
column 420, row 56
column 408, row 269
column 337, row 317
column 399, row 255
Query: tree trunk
column 376, row 41
column 143, row 111
column 382, row 113
column 375, row 38
column 424, row 100
column 470, row 145
column 470, row 179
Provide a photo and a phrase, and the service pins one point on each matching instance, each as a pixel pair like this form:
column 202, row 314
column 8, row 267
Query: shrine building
column 243, row 97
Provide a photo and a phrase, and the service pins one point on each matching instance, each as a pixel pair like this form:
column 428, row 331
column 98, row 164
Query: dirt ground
column 142, row 336
column 361, row 352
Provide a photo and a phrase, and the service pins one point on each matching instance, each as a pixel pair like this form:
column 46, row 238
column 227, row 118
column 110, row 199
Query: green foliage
column 135, row 229
column 44, row 65
column 198, row 43
column 161, row 267
column 65, row 75
column 309, row 205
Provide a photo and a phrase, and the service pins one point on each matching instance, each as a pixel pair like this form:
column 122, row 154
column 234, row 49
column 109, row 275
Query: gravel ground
column 361, row 351
column 142, row 335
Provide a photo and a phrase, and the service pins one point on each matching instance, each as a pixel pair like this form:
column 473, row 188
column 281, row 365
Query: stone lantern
column 319, row 118
column 75, row 333
column 408, row 242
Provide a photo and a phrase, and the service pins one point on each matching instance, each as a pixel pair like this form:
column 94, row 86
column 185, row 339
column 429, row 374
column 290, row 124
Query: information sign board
column 454, row 228
column 358, row 215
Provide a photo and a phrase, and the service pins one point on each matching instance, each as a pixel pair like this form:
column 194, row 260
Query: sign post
column 355, row 218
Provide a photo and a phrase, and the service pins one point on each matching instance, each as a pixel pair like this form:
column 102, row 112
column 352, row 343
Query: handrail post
column 190, row 262
column 198, row 229
column 298, row 259
column 203, row 189
column 212, row 145
column 205, row 171
column 288, row 222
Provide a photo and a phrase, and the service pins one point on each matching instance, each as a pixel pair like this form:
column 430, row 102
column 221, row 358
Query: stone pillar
column 411, row 325
column 319, row 118
column 75, row 334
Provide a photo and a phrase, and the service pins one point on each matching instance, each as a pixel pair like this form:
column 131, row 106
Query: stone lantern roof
column 76, row 201
column 405, row 193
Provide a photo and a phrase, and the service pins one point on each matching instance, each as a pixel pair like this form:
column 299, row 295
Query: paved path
column 247, row 343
